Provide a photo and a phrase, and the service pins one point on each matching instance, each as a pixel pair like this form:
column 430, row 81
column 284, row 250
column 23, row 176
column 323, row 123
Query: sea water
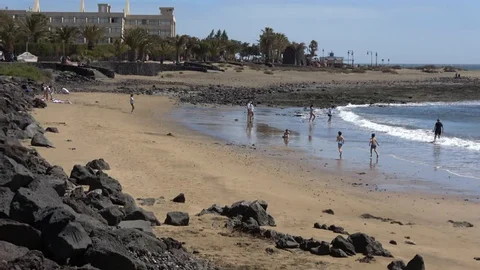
column 408, row 156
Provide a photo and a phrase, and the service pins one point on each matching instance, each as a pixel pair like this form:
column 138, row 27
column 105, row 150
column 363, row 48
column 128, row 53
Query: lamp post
column 376, row 59
column 350, row 53
column 388, row 60
column 382, row 61
column 371, row 57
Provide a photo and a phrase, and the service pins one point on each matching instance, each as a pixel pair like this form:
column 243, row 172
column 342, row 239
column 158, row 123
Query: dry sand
column 250, row 77
column 150, row 164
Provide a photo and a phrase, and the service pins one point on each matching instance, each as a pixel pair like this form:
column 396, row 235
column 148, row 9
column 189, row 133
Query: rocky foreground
column 49, row 220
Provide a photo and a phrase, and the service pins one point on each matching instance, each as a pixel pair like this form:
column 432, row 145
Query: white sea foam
column 419, row 135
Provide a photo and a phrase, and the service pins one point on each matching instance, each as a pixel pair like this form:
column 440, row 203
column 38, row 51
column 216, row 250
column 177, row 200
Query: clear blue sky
column 406, row 31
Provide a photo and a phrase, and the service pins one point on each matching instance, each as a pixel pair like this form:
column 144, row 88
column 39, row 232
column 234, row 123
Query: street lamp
column 376, row 59
column 382, row 61
column 371, row 57
column 388, row 61
column 350, row 52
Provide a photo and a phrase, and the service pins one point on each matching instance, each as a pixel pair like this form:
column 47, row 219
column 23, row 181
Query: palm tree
column 202, row 49
column 164, row 49
column 280, row 44
column 66, row 35
column 137, row 40
column 313, row 47
column 120, row 48
column 299, row 49
column 267, row 39
column 92, row 33
column 34, row 27
column 192, row 42
column 179, row 44
column 9, row 34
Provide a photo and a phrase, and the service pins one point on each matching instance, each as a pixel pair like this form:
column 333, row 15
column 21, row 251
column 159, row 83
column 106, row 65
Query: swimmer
column 340, row 141
column 312, row 114
column 373, row 145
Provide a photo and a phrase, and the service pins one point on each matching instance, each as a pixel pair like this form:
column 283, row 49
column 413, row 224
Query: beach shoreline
column 148, row 163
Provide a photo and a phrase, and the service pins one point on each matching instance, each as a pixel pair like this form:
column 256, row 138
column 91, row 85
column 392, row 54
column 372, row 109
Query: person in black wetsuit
column 438, row 130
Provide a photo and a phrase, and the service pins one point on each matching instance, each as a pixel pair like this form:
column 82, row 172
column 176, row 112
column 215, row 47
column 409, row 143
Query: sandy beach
column 150, row 164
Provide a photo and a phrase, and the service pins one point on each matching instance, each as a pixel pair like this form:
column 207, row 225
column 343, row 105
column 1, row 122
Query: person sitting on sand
column 340, row 141
column 312, row 114
column 131, row 102
column 250, row 111
column 438, row 130
column 373, row 145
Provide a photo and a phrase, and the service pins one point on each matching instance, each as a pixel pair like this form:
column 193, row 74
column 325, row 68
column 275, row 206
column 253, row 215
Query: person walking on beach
column 312, row 114
column 329, row 113
column 438, row 130
column 131, row 103
column 250, row 111
column 340, row 141
column 373, row 145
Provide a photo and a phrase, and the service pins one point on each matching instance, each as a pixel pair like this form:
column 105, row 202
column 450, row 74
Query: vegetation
column 24, row 70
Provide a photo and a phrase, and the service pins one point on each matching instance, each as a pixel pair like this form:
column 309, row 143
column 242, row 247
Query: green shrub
column 359, row 70
column 389, row 70
column 24, row 70
column 181, row 72
column 268, row 72
column 169, row 75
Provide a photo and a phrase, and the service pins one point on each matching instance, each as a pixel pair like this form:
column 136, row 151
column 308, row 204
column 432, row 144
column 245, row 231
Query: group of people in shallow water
column 437, row 130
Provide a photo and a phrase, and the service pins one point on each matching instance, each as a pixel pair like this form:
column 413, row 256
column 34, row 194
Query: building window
column 153, row 22
column 116, row 20
column 144, row 22
column 81, row 20
column 103, row 20
column 92, row 20
column 132, row 22
column 69, row 19
column 56, row 19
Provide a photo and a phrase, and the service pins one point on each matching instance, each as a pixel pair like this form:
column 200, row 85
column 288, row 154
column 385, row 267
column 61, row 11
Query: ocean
column 408, row 158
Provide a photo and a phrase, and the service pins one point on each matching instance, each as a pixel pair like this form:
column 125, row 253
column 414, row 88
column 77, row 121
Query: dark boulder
column 107, row 252
column 322, row 249
column 251, row 221
column 308, row 244
column 141, row 225
column 9, row 251
column 263, row 203
column 238, row 208
column 82, row 175
column 81, row 208
column 140, row 214
column 48, row 186
column 40, row 140
column 26, row 157
column 52, row 220
column 89, row 223
column 57, row 172
column 97, row 201
column 31, row 130
column 57, row 184
column 106, row 183
column 368, row 245
column 341, row 243
column 180, row 198
column 19, row 234
column 98, row 164
column 416, row 263
column 396, row 265
column 52, row 130
column 113, row 215
column 338, row 253
column 286, row 242
column 257, row 212
column 329, row 211
column 71, row 241
column 32, row 260
column 6, row 196
column 214, row 209
column 12, row 174
column 27, row 204
column 38, row 103
column 177, row 219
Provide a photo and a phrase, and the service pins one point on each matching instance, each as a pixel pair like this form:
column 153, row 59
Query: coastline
column 150, row 164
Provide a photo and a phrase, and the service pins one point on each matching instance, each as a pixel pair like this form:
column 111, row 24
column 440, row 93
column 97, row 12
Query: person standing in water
column 438, row 130
column 329, row 113
column 340, row 141
column 373, row 145
column 250, row 111
column 131, row 103
column 312, row 114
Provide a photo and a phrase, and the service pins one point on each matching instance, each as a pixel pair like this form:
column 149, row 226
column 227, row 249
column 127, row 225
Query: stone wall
column 60, row 67
column 143, row 69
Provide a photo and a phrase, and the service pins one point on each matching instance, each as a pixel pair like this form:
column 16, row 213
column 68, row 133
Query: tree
column 202, row 49
column 267, row 39
column 65, row 35
column 299, row 49
column 9, row 35
column 179, row 44
column 279, row 45
column 119, row 49
column 34, row 27
column 137, row 39
column 164, row 49
column 313, row 47
column 93, row 34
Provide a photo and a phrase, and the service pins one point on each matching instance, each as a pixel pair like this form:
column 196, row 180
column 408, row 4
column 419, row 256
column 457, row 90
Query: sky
column 404, row 31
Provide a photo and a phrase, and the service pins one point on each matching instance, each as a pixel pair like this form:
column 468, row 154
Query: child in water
column 312, row 114
column 340, row 141
column 286, row 134
column 373, row 145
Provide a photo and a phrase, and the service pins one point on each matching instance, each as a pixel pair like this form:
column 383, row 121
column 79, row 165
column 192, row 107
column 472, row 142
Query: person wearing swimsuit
column 438, row 129
column 340, row 141
column 312, row 114
column 373, row 145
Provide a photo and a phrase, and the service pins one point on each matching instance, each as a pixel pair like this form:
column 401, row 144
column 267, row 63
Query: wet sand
column 150, row 164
